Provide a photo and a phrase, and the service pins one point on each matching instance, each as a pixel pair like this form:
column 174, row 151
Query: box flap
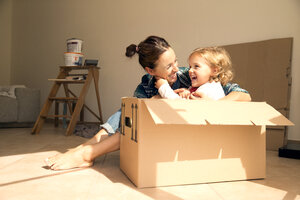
column 201, row 112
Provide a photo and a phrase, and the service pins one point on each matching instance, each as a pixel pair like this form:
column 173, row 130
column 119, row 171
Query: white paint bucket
column 73, row 59
column 74, row 45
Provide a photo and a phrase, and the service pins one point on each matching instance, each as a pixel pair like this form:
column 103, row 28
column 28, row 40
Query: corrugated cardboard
column 174, row 142
column 263, row 68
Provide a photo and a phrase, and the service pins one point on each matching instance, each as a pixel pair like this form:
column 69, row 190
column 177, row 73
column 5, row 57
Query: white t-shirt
column 213, row 90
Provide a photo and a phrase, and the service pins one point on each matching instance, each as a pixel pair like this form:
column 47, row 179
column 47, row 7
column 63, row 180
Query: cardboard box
column 174, row 142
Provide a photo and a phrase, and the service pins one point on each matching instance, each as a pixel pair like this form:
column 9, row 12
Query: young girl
column 210, row 68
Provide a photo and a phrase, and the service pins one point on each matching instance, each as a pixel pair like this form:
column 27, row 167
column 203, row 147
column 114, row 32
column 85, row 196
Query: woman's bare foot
column 75, row 158
column 52, row 159
column 83, row 155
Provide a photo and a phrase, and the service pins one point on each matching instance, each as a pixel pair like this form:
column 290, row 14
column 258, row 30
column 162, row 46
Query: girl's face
column 166, row 67
column 200, row 72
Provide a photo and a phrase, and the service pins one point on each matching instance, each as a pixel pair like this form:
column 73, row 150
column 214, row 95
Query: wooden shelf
column 63, row 99
column 78, row 67
column 66, row 80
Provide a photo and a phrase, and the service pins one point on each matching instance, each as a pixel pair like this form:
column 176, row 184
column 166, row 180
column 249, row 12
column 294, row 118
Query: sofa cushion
column 8, row 109
column 28, row 104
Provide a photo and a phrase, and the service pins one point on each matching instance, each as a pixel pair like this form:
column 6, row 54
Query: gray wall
column 40, row 29
column 5, row 41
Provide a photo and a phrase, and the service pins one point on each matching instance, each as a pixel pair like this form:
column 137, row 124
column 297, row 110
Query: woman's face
column 166, row 66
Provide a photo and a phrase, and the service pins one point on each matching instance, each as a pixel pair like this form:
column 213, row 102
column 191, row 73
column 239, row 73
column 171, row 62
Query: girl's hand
column 199, row 96
column 159, row 82
column 183, row 93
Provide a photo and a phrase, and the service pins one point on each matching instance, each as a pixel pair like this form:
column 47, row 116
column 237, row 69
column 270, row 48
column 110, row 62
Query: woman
column 159, row 60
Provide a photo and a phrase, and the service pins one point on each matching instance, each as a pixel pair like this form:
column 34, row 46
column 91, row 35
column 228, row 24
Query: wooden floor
column 24, row 176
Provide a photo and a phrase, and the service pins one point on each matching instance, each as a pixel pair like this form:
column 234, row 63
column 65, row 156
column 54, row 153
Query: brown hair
column 217, row 57
column 148, row 50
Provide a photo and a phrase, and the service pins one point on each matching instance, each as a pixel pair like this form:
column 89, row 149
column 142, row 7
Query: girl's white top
column 213, row 90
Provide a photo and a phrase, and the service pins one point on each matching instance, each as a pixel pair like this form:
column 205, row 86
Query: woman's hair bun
column 131, row 50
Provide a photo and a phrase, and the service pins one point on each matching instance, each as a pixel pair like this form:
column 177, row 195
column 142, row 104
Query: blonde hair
column 217, row 57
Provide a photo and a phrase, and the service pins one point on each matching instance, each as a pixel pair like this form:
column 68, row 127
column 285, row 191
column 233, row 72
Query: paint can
column 74, row 45
column 73, row 59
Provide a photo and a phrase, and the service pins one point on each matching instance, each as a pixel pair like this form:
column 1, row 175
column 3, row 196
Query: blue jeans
column 113, row 123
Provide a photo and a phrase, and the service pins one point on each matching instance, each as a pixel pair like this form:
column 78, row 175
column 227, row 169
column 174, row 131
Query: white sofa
column 21, row 111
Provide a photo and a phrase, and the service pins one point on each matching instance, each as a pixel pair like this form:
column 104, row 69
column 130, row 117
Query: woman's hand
column 183, row 93
column 159, row 82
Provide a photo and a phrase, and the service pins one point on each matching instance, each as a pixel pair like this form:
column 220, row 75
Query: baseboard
column 17, row 125
column 291, row 150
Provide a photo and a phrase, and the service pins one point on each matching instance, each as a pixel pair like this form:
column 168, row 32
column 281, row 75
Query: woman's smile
column 173, row 76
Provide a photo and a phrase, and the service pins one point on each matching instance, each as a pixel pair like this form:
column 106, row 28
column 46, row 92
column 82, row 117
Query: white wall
column 5, row 41
column 40, row 29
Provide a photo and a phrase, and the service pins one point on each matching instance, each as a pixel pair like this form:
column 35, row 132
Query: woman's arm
column 165, row 90
column 234, row 92
column 237, row 96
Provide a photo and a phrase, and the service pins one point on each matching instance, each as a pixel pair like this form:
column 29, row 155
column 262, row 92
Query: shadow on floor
column 108, row 165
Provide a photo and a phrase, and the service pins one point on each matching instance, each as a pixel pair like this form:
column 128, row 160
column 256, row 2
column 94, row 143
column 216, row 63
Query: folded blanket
column 9, row 91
